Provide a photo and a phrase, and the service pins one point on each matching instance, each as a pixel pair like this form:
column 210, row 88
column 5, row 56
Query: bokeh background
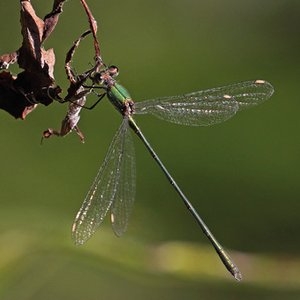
column 241, row 175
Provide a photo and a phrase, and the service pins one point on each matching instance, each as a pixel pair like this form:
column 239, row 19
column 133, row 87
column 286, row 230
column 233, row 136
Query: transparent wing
column 207, row 107
column 125, row 193
column 249, row 93
column 105, row 189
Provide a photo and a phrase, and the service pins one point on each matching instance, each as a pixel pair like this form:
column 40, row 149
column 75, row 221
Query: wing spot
column 112, row 218
column 259, row 81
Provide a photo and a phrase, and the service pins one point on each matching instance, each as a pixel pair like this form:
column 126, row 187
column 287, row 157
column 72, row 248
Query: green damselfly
column 114, row 186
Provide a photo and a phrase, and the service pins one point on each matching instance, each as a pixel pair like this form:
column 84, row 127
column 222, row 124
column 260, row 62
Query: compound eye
column 98, row 77
column 113, row 71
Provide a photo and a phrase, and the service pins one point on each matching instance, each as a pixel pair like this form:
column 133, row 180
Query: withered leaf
column 51, row 19
column 20, row 94
column 8, row 59
column 31, row 53
column 13, row 100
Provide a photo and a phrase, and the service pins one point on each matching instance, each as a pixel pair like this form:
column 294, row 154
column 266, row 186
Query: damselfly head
column 106, row 76
column 113, row 71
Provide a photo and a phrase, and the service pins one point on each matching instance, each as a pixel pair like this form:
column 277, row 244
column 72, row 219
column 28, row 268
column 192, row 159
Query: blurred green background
column 241, row 175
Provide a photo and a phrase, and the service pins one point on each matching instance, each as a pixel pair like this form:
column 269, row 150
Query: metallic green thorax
column 118, row 96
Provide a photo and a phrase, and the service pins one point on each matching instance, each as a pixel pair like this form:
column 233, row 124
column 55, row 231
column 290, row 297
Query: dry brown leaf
column 36, row 83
